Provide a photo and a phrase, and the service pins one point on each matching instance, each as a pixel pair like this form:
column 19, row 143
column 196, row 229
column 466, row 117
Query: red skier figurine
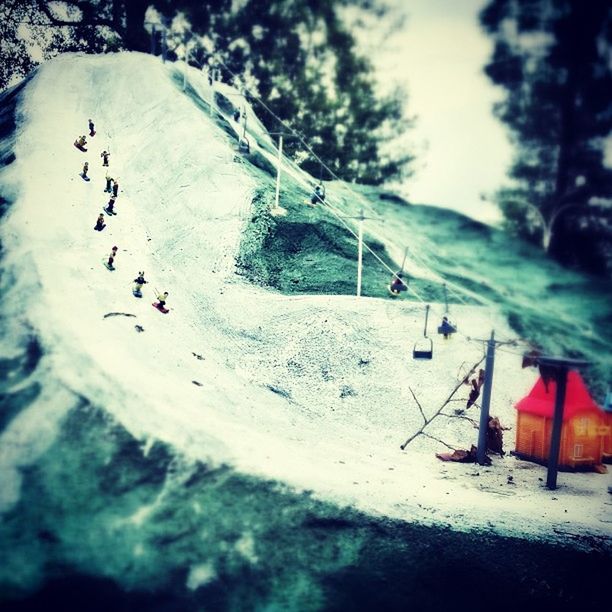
column 161, row 302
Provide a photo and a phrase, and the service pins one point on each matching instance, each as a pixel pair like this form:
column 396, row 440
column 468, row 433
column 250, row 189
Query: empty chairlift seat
column 423, row 348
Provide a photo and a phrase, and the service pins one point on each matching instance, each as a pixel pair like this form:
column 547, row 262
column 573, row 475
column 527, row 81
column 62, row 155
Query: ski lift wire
column 335, row 210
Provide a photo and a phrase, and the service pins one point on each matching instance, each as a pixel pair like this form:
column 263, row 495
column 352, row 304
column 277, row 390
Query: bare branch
column 419, row 405
column 439, row 411
column 458, row 416
column 438, row 440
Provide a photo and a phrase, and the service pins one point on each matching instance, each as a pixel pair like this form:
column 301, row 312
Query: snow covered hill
column 315, row 391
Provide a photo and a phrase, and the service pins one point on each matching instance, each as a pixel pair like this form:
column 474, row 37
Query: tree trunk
column 547, row 235
column 135, row 36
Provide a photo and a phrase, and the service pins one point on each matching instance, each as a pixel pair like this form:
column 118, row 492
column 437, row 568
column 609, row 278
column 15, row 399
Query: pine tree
column 552, row 59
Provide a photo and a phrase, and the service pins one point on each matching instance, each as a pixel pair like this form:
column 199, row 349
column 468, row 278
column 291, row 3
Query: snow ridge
column 310, row 390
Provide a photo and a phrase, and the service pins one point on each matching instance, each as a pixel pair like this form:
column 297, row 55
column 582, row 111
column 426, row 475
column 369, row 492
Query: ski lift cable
column 337, row 213
column 294, row 133
column 491, row 304
column 307, row 146
column 455, row 289
column 334, row 210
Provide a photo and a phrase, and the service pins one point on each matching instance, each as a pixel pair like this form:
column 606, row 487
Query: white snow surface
column 310, row 390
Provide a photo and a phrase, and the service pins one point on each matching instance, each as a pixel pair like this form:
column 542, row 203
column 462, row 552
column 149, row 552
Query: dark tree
column 300, row 58
column 31, row 30
column 552, row 57
column 297, row 55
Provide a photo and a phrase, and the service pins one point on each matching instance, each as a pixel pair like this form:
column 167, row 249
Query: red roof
column 542, row 403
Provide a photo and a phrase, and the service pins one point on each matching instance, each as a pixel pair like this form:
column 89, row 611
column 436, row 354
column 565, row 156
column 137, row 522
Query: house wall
column 581, row 439
column 606, row 442
column 530, row 435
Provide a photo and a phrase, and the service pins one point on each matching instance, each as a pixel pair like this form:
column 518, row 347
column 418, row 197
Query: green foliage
column 518, row 215
column 552, row 58
column 34, row 30
column 295, row 54
column 299, row 57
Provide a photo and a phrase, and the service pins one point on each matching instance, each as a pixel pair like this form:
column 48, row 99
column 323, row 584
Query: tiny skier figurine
column 111, row 259
column 100, row 225
column 85, row 170
column 109, row 187
column 116, row 187
column 80, row 143
column 92, row 131
column 446, row 328
column 318, row 195
column 104, row 155
column 110, row 207
column 237, row 115
column 139, row 282
column 161, row 302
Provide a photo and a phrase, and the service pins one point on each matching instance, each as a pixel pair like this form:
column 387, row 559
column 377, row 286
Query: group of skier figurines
column 112, row 187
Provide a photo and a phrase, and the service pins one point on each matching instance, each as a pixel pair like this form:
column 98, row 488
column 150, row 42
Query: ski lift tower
column 361, row 218
column 277, row 210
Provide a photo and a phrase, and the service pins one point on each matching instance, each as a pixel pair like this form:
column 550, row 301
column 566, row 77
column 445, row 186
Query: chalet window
column 578, row 448
column 582, row 426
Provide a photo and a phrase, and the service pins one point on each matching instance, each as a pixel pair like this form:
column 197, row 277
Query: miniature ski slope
column 314, row 391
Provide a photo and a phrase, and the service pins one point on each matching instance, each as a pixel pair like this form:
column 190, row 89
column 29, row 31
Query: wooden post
column 486, row 401
column 360, row 252
column 278, row 210
column 557, row 368
column 278, row 170
column 212, row 97
column 555, row 434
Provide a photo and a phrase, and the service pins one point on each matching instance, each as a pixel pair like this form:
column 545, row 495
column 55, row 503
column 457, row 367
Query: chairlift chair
column 243, row 146
column 398, row 285
column 423, row 349
column 318, row 194
column 446, row 328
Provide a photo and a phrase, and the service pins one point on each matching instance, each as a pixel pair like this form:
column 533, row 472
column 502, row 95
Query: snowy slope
column 315, row 391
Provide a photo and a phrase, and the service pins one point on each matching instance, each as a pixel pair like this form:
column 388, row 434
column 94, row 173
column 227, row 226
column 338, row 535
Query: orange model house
column 607, row 443
column 584, row 434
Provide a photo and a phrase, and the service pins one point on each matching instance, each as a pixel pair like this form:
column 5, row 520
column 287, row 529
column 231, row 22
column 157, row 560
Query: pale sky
column 462, row 149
